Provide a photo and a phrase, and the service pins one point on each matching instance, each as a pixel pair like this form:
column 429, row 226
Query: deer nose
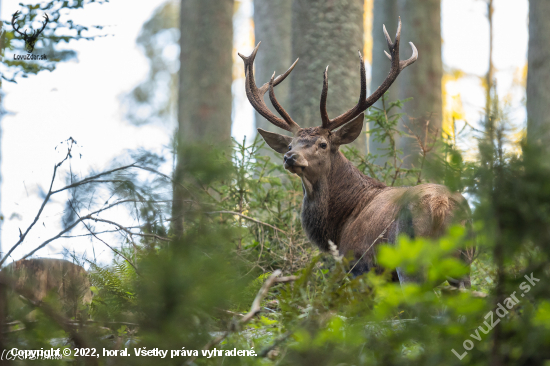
column 290, row 158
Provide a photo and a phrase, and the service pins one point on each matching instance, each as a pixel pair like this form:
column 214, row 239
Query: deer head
column 30, row 39
column 308, row 152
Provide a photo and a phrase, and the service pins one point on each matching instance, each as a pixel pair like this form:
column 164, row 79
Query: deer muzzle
column 294, row 162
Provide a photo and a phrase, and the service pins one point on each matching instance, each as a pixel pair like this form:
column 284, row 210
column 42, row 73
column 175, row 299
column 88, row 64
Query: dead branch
column 286, row 279
column 254, row 309
column 101, row 240
column 22, row 236
column 113, row 249
column 92, row 179
column 424, row 146
column 248, row 218
column 69, row 228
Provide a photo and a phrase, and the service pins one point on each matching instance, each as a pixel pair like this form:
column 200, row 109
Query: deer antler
column 13, row 19
column 34, row 33
column 44, row 26
column 396, row 67
column 256, row 95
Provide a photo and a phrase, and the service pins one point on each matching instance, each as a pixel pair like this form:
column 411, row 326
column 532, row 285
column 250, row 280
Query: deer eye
column 289, row 147
column 323, row 145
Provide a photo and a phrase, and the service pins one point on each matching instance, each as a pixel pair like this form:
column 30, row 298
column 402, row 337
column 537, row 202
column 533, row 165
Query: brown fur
column 351, row 209
column 43, row 276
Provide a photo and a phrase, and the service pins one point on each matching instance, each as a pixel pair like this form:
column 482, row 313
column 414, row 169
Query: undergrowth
column 242, row 227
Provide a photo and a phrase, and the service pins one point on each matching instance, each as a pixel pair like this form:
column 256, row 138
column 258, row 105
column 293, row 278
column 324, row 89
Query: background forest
column 189, row 231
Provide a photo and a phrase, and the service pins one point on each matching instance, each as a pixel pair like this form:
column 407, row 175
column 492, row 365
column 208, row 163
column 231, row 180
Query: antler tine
column 387, row 36
column 324, row 94
column 293, row 125
column 45, row 23
column 255, row 95
column 331, row 124
column 14, row 17
column 279, row 78
column 396, row 67
column 412, row 59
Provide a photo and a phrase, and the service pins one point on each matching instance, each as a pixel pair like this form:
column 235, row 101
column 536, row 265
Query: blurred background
column 124, row 81
column 139, row 209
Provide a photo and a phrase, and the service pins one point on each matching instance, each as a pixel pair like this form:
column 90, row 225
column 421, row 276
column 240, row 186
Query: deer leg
column 405, row 226
column 466, row 256
column 405, row 277
column 359, row 268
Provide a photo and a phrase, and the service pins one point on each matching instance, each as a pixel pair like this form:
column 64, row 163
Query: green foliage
column 113, row 291
column 241, row 223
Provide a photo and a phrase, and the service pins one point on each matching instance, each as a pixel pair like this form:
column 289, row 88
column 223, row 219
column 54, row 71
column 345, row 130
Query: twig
column 286, row 279
column 423, row 146
column 375, row 240
column 254, row 310
column 113, row 249
column 69, row 228
column 104, row 242
column 92, row 179
column 248, row 218
column 23, row 235
column 125, row 229
column 229, row 312
column 278, row 341
column 472, row 127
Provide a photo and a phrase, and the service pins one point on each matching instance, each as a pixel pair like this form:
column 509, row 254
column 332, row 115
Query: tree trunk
column 491, row 70
column 205, row 77
column 384, row 13
column 3, row 290
column 538, row 76
column 272, row 24
column 2, row 40
column 326, row 32
column 422, row 26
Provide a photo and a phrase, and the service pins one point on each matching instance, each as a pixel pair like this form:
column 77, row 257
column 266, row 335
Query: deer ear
column 349, row 132
column 276, row 141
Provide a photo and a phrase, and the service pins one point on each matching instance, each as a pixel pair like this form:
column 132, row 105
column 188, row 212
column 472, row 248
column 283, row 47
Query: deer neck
column 331, row 201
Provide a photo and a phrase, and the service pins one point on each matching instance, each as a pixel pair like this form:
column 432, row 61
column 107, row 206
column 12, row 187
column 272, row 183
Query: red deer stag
column 340, row 203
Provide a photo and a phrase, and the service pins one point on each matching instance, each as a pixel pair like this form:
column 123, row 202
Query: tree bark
column 538, row 76
column 421, row 25
column 2, row 46
column 384, row 13
column 272, row 24
column 326, row 32
column 3, row 290
column 205, row 77
column 206, row 41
